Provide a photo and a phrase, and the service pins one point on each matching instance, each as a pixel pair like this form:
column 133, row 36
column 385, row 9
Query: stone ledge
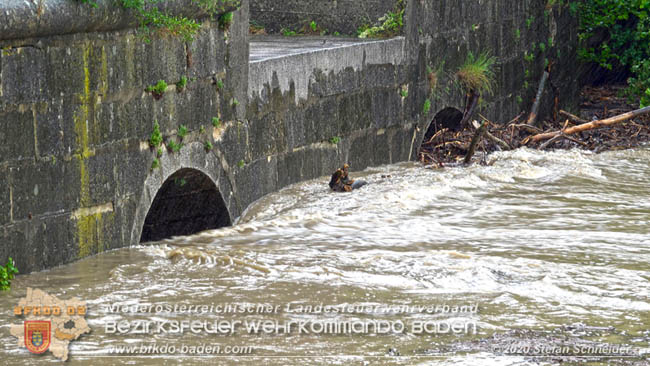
column 26, row 19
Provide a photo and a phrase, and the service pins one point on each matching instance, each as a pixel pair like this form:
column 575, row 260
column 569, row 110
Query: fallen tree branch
column 529, row 128
column 572, row 117
column 474, row 143
column 532, row 118
column 491, row 137
column 591, row 125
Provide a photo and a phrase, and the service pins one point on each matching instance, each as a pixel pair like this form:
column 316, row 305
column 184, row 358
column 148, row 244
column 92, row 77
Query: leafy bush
column 7, row 273
column 616, row 34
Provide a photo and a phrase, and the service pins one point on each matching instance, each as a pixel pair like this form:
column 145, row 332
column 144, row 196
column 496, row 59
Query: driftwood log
column 532, row 118
column 590, row 125
column 474, row 143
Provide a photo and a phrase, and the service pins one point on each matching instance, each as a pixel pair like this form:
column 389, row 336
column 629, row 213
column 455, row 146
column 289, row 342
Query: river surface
column 539, row 247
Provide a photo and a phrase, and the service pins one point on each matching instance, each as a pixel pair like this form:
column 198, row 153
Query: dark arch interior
column 188, row 202
column 447, row 118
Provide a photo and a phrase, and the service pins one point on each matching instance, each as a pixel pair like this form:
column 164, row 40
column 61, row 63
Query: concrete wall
column 508, row 29
column 75, row 166
column 343, row 16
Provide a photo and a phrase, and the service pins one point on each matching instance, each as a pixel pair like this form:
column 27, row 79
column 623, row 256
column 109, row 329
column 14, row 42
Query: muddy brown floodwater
column 544, row 250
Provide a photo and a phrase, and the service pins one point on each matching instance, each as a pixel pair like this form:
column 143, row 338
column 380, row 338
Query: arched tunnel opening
column 447, row 118
column 188, row 202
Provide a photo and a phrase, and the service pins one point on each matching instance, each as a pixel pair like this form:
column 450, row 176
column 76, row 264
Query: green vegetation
column 180, row 85
column 219, row 84
column 155, row 164
column 313, row 26
column 542, row 46
column 89, row 2
column 158, row 89
column 151, row 18
column 201, row 130
column 529, row 57
column 156, row 138
column 174, row 147
column 207, row 145
column 529, row 22
column 391, row 24
column 404, row 92
column 615, row 34
column 337, row 33
column 182, row 131
column 234, row 102
column 476, row 73
column 288, row 32
column 241, row 163
column 225, row 20
column 159, row 152
column 7, row 273
column 519, row 99
column 517, row 34
column 335, row 140
column 216, row 122
column 426, row 107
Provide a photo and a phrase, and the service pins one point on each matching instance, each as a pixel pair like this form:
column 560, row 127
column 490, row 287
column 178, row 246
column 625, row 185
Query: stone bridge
column 78, row 175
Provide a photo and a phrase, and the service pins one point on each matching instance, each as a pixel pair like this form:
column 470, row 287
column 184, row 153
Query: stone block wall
column 343, row 16
column 74, row 123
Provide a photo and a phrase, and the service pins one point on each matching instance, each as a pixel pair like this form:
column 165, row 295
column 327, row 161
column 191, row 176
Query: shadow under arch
column 449, row 117
column 186, row 203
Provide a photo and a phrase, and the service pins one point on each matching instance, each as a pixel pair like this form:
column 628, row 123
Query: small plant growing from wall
column 180, row 85
column 234, row 102
column 426, row 107
column 335, row 140
column 159, row 153
column 216, row 122
column 404, row 91
column 155, row 164
column 158, row 89
column 225, row 20
column 182, row 131
column 207, row 145
column 7, row 273
column 156, row 138
column 288, row 32
column 173, row 146
column 241, row 163
column 219, row 84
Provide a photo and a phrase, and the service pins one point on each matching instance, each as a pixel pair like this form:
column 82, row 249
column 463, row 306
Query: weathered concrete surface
column 76, row 169
column 296, row 61
column 24, row 19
